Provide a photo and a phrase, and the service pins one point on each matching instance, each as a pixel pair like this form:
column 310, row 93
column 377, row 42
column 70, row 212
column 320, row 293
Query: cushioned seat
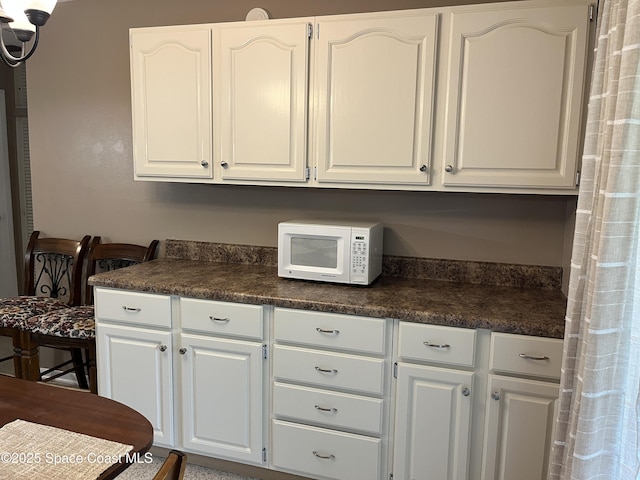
column 74, row 322
column 15, row 311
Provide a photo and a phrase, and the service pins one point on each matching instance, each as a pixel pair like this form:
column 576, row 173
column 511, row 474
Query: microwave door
column 317, row 256
column 314, row 252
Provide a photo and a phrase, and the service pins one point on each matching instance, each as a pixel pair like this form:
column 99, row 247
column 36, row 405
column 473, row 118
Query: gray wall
column 81, row 153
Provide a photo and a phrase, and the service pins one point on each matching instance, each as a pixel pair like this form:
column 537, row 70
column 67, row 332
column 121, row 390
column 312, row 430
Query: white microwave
column 341, row 253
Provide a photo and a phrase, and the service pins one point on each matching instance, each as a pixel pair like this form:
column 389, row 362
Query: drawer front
column 222, row 318
column 319, row 329
column 433, row 343
column 324, row 453
column 332, row 409
column 524, row 355
column 133, row 307
column 331, row 370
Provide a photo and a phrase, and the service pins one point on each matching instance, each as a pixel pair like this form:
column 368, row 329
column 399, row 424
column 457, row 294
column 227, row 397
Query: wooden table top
column 75, row 411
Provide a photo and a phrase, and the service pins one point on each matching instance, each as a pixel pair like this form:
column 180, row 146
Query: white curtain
column 597, row 428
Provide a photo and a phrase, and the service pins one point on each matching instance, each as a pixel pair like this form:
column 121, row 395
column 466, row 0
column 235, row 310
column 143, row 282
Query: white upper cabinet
column 374, row 82
column 261, row 83
column 171, row 102
column 516, row 81
column 475, row 98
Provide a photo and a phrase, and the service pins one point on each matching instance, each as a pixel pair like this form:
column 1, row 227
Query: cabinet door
column 171, row 102
column 519, row 428
column 516, row 79
column 261, row 108
column 374, row 92
column 433, row 420
column 134, row 368
column 222, row 397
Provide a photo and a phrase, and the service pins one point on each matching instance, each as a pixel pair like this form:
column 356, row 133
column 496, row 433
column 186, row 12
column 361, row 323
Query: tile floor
column 141, row 471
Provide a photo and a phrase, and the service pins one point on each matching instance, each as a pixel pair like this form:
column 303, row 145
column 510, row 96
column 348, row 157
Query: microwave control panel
column 359, row 256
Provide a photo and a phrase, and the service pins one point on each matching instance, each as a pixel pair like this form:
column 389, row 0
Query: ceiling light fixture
column 24, row 19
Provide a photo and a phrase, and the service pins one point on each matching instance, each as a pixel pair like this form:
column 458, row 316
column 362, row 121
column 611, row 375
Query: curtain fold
column 596, row 432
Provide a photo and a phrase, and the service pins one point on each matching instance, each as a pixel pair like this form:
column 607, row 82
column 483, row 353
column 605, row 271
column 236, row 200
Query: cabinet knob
column 162, row 348
column 495, row 396
column 466, row 392
column 204, row 163
column 182, row 351
column 423, row 168
column 448, row 168
column 224, row 164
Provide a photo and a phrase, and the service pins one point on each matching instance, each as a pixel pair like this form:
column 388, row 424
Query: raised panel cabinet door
column 519, row 428
column 374, row 85
column 222, row 397
column 262, row 87
column 135, row 368
column 516, row 80
column 432, row 423
column 171, row 102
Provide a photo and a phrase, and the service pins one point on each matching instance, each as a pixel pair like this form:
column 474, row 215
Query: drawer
column 222, row 318
column 331, row 370
column 319, row 329
column 524, row 355
column 332, row 409
column 316, row 452
column 434, row 343
column 133, row 307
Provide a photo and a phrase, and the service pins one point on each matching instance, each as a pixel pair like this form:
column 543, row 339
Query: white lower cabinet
column 194, row 368
column 134, row 368
column 521, row 412
column 134, row 355
column 221, row 408
column 460, row 404
column 433, row 420
column 520, row 419
column 433, row 404
column 330, row 395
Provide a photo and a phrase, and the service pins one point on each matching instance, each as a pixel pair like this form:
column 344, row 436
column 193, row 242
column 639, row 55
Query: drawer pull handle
column 326, row 409
column 532, row 357
column 332, row 371
column 163, row 348
column 324, row 456
column 130, row 309
column 218, row 319
column 495, row 396
column 436, row 345
column 329, row 332
column 466, row 392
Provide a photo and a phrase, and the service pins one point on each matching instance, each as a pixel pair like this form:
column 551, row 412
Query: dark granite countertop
column 521, row 310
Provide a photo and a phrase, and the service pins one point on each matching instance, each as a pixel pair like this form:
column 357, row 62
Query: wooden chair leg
column 78, row 366
column 17, row 349
column 27, row 351
column 93, row 371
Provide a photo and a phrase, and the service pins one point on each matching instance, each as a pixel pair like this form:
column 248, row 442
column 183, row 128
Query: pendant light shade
column 24, row 19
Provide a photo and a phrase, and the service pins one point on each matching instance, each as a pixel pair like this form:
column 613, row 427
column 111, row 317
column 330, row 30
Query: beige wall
column 80, row 127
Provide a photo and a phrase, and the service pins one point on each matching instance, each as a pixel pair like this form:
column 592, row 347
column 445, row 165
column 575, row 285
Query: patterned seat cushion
column 71, row 322
column 15, row 311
